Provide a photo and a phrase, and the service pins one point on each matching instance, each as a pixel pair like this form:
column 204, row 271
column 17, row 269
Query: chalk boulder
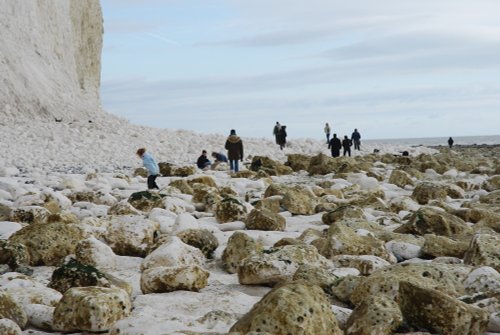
column 168, row 279
column 239, row 247
column 91, row 309
column 293, row 308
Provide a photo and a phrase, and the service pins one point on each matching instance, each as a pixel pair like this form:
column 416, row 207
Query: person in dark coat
column 356, row 138
column 346, row 144
column 276, row 130
column 203, row 162
column 282, row 137
column 450, row 142
column 335, row 146
column 234, row 147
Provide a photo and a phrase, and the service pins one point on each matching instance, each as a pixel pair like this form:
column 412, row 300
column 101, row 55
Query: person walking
column 346, row 144
column 203, row 162
column 356, row 138
column 327, row 132
column 450, row 142
column 282, row 137
column 335, row 146
column 151, row 166
column 234, row 147
column 276, row 130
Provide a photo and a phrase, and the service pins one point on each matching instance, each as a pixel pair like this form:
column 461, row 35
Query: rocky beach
column 297, row 242
column 378, row 243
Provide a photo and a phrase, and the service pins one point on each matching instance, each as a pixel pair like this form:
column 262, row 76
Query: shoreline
column 465, row 146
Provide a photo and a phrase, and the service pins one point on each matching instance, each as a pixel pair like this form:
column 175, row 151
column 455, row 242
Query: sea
column 435, row 141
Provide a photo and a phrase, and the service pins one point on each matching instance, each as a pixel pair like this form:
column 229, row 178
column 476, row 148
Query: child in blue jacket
column 150, row 164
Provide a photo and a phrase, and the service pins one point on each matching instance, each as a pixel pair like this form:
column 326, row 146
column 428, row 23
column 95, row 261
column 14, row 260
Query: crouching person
column 203, row 162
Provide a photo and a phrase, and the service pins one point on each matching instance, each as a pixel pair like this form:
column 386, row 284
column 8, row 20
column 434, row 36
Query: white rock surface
column 185, row 221
column 40, row 316
column 483, row 279
column 174, row 253
column 26, row 290
column 404, row 250
column 51, row 59
column 9, row 327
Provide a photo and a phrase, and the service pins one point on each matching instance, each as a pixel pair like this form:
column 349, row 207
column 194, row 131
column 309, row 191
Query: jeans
column 233, row 163
column 151, row 182
column 327, row 137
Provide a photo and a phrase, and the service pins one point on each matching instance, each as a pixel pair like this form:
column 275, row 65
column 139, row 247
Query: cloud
column 422, row 42
column 273, row 39
column 378, row 65
column 162, row 38
column 364, row 108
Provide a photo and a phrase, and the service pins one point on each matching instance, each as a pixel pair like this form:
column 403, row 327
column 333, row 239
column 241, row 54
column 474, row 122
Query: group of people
column 204, row 163
column 279, row 132
column 234, row 147
column 335, row 144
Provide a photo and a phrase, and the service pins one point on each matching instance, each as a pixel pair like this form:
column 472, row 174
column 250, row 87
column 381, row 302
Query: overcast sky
column 391, row 68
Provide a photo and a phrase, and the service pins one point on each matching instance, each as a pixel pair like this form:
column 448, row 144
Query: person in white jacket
column 327, row 132
column 151, row 166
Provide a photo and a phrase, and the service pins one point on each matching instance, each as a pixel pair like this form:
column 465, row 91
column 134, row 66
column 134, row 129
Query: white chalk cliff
column 50, row 58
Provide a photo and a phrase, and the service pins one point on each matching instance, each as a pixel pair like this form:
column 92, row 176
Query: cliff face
column 50, row 58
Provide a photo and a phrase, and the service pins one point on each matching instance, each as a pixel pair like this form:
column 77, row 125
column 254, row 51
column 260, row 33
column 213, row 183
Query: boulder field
column 373, row 244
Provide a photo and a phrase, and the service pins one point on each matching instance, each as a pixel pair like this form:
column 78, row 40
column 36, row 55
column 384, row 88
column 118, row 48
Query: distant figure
column 335, row 146
column 203, row 162
column 327, row 132
column 346, row 144
column 405, row 153
column 234, row 147
column 150, row 164
column 276, row 130
column 450, row 142
column 282, row 137
column 356, row 138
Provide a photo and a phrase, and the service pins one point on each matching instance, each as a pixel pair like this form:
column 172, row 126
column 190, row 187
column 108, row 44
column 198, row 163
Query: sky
column 390, row 68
